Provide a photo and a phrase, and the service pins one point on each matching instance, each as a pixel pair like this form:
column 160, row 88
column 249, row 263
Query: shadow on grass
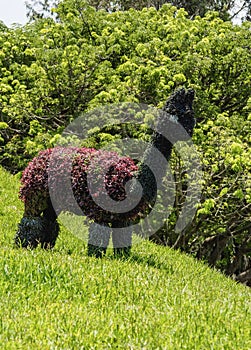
column 147, row 260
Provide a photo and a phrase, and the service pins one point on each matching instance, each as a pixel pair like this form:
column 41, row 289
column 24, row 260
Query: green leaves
column 207, row 206
column 3, row 125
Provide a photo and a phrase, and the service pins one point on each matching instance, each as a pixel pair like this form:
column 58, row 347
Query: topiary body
column 48, row 175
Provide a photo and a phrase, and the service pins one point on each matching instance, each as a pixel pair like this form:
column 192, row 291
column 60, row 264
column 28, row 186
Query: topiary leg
column 51, row 231
column 51, row 227
column 122, row 241
column 30, row 232
column 98, row 240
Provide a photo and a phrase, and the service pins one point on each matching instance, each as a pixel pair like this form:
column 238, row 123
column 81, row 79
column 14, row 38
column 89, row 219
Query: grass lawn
column 157, row 299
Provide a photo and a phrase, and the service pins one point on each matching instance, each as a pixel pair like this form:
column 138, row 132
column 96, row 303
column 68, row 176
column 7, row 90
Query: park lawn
column 157, row 299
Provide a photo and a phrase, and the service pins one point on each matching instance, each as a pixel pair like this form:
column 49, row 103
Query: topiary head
column 179, row 109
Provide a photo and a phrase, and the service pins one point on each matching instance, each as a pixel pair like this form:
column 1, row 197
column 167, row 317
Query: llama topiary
column 39, row 223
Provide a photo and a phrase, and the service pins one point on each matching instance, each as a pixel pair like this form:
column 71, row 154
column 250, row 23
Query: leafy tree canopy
column 226, row 8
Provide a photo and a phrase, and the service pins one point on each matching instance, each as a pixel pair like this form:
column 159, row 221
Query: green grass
column 157, row 299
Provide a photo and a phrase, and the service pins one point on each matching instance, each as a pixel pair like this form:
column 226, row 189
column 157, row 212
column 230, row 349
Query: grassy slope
column 158, row 299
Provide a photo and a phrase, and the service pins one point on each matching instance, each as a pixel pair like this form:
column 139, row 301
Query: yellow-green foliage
column 51, row 71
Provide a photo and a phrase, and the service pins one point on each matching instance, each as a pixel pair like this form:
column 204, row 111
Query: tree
column 228, row 9
column 39, row 8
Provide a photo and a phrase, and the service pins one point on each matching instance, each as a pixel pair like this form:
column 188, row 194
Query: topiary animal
column 39, row 223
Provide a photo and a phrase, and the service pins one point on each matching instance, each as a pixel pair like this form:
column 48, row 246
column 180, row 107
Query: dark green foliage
column 175, row 123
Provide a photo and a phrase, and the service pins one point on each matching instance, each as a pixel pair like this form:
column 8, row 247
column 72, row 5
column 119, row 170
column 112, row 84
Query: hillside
column 158, row 299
